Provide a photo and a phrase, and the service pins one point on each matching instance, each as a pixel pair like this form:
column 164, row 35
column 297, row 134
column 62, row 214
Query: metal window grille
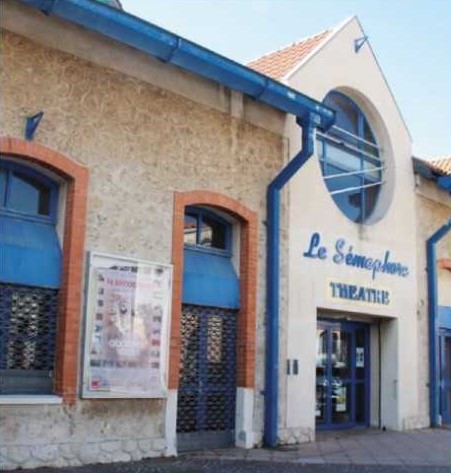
column 27, row 335
column 207, row 370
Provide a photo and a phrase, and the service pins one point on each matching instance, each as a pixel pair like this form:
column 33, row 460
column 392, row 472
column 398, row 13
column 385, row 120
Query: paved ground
column 369, row 451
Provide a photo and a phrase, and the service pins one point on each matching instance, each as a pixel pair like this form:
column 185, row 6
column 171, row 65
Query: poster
column 126, row 327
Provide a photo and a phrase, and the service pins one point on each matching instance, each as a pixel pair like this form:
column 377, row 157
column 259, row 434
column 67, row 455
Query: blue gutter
column 273, row 271
column 445, row 183
column 434, row 392
column 168, row 47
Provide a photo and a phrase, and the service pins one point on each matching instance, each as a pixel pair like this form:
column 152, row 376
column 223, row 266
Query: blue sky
column 411, row 39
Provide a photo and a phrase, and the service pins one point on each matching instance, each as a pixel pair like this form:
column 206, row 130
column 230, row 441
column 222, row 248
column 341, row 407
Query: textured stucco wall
column 140, row 144
column 433, row 210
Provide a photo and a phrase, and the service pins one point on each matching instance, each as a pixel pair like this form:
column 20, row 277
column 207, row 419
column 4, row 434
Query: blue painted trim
column 434, row 392
column 444, row 182
column 421, row 168
column 329, row 144
column 31, row 125
column 444, row 317
column 210, row 280
column 199, row 213
column 359, row 42
column 350, row 327
column 273, row 271
column 445, row 378
column 11, row 167
column 168, row 47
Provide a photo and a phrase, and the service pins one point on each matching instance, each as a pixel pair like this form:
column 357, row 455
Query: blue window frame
column 30, row 252
column 350, row 159
column 342, row 374
column 206, row 231
column 25, row 193
column 30, row 267
column 209, row 277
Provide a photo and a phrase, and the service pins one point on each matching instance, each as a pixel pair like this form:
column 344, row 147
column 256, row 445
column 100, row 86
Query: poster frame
column 87, row 328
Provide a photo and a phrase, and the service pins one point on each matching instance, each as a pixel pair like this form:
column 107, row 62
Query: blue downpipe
column 273, row 280
column 431, row 257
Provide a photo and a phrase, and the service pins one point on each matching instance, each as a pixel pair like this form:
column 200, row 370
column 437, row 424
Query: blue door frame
column 346, row 391
column 445, row 375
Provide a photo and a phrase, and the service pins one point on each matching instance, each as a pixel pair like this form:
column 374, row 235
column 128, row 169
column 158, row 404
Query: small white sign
column 359, row 357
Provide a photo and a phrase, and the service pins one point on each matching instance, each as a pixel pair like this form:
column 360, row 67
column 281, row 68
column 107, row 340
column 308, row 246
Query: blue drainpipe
column 434, row 392
column 308, row 125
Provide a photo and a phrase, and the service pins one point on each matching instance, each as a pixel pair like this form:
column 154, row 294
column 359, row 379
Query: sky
column 411, row 40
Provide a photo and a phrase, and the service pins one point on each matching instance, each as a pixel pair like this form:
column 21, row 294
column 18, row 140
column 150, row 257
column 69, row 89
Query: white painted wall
column 392, row 227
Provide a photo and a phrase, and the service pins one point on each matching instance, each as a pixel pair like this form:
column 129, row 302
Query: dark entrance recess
column 342, row 375
column 445, row 378
column 206, row 397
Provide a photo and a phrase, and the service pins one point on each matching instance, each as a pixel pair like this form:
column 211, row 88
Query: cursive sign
column 344, row 254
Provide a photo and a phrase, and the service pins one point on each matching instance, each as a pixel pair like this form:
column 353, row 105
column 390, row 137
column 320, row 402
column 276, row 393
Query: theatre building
column 195, row 253
column 349, row 348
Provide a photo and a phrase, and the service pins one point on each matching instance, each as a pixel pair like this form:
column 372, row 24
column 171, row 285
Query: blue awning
column 444, row 317
column 30, row 253
column 210, row 280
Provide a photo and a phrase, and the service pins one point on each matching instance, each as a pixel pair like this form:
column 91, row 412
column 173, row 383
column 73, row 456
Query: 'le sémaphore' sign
column 344, row 254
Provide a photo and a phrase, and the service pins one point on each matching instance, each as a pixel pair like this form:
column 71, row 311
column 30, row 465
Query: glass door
column 342, row 374
column 445, row 376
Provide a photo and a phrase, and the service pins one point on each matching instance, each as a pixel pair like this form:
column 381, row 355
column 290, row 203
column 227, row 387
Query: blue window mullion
column 7, row 187
column 353, row 377
column 198, row 227
column 352, row 119
column 328, row 391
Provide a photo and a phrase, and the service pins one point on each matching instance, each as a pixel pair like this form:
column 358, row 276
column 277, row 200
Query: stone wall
column 433, row 210
column 140, row 143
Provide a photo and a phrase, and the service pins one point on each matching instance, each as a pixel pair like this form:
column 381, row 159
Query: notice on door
column 126, row 328
column 359, row 357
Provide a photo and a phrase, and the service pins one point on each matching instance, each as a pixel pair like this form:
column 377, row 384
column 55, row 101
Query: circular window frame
column 368, row 114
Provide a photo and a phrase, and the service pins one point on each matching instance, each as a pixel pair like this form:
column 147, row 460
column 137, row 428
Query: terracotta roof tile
column 440, row 165
column 278, row 63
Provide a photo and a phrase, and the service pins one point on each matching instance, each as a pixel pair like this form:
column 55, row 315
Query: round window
column 350, row 159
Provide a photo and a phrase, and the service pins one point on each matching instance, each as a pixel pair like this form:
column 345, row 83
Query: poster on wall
column 126, row 327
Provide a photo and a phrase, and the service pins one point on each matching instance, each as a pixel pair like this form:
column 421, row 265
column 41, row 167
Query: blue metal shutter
column 30, row 253
column 210, row 280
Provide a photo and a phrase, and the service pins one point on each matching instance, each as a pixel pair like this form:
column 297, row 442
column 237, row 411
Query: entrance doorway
column 206, row 399
column 208, row 329
column 342, row 374
column 445, row 376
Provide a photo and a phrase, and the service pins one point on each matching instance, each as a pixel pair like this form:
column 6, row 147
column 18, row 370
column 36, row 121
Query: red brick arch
column 248, row 281
column 76, row 178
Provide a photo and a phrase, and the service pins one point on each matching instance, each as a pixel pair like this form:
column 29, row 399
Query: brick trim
column 444, row 263
column 76, row 177
column 248, row 281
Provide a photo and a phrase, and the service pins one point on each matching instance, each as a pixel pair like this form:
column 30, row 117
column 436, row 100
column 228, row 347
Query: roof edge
column 168, row 47
column 386, row 82
column 427, row 170
column 318, row 47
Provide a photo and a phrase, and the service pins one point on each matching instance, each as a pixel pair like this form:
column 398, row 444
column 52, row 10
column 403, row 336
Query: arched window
column 206, row 231
column 30, row 267
column 210, row 278
column 350, row 159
